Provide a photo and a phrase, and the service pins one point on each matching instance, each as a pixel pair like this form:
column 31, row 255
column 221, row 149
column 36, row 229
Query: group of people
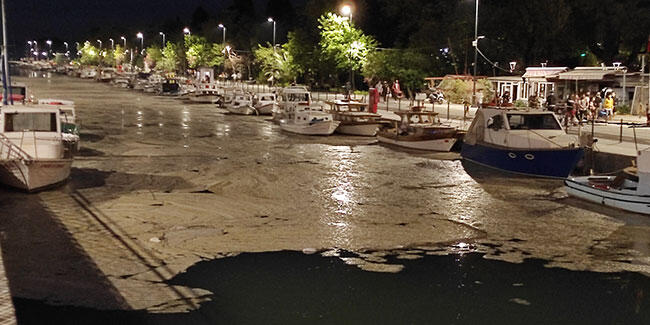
column 586, row 106
column 385, row 90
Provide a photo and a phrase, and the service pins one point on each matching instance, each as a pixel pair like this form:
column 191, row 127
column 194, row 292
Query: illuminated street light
column 112, row 43
column 163, row 38
column 346, row 10
column 100, row 44
column 224, row 33
column 270, row 20
column 124, row 39
column 187, row 31
column 141, row 37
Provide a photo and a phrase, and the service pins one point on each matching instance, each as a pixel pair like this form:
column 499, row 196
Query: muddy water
column 161, row 185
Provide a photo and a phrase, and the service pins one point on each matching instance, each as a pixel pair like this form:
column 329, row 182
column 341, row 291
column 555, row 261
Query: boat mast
column 5, row 66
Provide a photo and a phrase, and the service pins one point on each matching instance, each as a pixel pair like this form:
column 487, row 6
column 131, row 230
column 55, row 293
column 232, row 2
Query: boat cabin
column 37, row 130
column 518, row 129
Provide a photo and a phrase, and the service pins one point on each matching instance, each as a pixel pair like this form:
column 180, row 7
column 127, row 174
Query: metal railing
column 10, row 151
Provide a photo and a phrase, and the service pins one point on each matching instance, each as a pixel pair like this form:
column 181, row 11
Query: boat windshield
column 43, row 122
column 298, row 97
column 533, row 122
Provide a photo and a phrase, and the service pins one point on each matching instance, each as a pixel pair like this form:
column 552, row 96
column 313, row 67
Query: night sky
column 72, row 20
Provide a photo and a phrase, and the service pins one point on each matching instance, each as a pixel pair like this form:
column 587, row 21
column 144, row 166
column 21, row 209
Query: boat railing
column 546, row 138
column 10, row 151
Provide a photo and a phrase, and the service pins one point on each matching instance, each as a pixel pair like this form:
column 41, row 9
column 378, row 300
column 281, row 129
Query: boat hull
column 558, row 163
column 206, row 99
column 266, row 109
column 34, row 175
column 241, row 110
column 443, row 144
column 320, row 128
column 579, row 187
column 367, row 130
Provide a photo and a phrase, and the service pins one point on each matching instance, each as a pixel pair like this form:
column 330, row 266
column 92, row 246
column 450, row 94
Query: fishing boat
column 292, row 98
column 419, row 130
column 105, row 74
column 308, row 120
column 206, row 93
column 629, row 191
column 32, row 151
column 353, row 120
column 241, row 104
column 88, row 73
column 18, row 92
column 528, row 142
column 265, row 103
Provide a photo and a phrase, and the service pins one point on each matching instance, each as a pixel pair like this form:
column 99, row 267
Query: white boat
column 105, row 74
column 629, row 191
column 419, row 130
column 241, row 104
column 69, row 125
column 353, row 120
column 529, row 142
column 32, row 154
column 292, row 98
column 206, row 92
column 308, row 121
column 266, row 103
column 88, row 73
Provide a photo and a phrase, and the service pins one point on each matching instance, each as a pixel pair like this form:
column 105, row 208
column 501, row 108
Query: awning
column 543, row 72
column 585, row 74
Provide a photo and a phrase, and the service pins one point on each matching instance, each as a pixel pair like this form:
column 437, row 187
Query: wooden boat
column 628, row 191
column 418, row 130
column 292, row 98
column 32, row 153
column 528, row 142
column 353, row 120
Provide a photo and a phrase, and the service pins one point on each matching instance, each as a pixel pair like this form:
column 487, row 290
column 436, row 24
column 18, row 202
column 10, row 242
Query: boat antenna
column 5, row 63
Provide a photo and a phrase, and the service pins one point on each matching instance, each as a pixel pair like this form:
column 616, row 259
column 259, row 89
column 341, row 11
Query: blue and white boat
column 528, row 142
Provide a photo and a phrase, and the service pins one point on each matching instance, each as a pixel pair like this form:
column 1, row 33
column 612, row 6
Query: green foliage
column 89, row 54
column 60, row 59
column 276, row 64
column 457, row 90
column 346, row 45
column 107, row 58
column 154, row 56
column 200, row 53
column 487, row 90
column 119, row 55
column 623, row 109
column 406, row 66
column 170, row 60
column 521, row 103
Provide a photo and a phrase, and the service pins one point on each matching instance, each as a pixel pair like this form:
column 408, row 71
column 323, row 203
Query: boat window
column 495, row 122
column 44, row 122
column 533, row 122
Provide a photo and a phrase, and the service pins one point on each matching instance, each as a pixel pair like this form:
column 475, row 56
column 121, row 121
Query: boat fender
column 512, row 155
column 529, row 156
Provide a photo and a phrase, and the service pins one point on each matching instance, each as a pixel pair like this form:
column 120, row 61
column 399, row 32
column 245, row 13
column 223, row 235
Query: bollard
column 399, row 104
column 433, row 106
column 387, row 108
column 620, row 136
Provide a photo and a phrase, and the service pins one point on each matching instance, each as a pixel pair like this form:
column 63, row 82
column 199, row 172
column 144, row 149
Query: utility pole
column 475, row 43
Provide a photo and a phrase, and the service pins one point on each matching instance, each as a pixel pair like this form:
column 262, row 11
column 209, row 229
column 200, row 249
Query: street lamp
column 112, row 43
column 475, row 43
column 100, row 44
column 346, row 10
column 124, row 39
column 270, row 20
column 224, row 33
column 141, row 37
column 187, row 31
column 163, row 38
column 49, row 45
column 66, row 46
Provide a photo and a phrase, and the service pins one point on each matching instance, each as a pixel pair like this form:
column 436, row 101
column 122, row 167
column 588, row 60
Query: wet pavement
column 161, row 185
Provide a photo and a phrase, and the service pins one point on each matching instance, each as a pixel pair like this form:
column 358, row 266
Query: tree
column 170, row 60
column 407, row 66
column 154, row 56
column 119, row 55
column 107, row 58
column 89, row 54
column 200, row 53
column 276, row 64
column 347, row 45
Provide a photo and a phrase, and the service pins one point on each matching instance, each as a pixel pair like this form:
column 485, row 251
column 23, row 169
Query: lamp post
column 141, row 37
column 346, row 10
column 124, row 39
column 224, row 33
column 187, row 31
column 100, row 43
column 112, row 43
column 475, row 43
column 271, row 20
column 67, row 53
column 163, row 38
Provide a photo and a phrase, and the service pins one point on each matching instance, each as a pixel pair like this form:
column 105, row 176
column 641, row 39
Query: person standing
column 608, row 105
column 551, row 101
column 380, row 89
